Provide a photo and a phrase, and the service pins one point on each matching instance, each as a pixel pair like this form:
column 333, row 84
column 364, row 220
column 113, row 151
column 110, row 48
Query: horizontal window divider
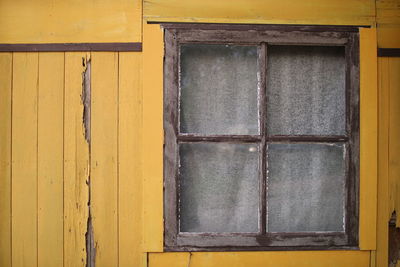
column 220, row 138
column 258, row 234
column 307, row 138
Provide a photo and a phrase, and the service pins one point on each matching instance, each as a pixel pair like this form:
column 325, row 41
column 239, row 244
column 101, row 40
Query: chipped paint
column 86, row 101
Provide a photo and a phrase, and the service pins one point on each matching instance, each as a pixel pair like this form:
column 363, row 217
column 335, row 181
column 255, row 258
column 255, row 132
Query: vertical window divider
column 262, row 115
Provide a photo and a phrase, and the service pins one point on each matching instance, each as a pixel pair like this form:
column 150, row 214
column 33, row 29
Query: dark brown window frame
column 262, row 36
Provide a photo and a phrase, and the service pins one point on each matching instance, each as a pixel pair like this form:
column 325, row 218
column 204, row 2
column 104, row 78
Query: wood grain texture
column 104, row 157
column 394, row 137
column 24, row 159
column 50, row 159
column 5, row 158
column 262, row 259
column 70, row 21
column 152, row 145
column 383, row 215
column 130, row 204
column 335, row 12
column 388, row 23
column 76, row 163
column 368, row 139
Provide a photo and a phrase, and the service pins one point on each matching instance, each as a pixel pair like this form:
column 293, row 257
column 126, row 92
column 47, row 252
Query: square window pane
column 306, row 187
column 219, row 187
column 219, row 89
column 306, row 90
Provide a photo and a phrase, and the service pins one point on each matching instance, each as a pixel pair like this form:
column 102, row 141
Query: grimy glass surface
column 306, row 187
column 218, row 89
column 306, row 90
column 219, row 187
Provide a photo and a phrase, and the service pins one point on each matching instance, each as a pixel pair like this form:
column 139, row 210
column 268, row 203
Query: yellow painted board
column 153, row 137
column 76, row 164
column 5, row 158
column 352, row 12
column 129, row 160
column 70, row 21
column 24, row 159
column 383, row 164
column 394, row 136
column 262, row 259
column 388, row 22
column 372, row 260
column 389, row 36
column 50, row 159
column 104, row 156
column 368, row 138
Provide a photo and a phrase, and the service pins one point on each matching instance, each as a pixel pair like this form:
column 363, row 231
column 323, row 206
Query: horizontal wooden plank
column 261, row 259
column 71, row 47
column 70, row 21
column 316, row 12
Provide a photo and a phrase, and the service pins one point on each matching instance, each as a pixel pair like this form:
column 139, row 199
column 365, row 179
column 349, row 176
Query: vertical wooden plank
column 5, row 158
column 104, row 153
column 24, row 159
column 383, row 164
column 76, row 163
column 394, row 137
column 50, row 159
column 129, row 164
column 153, row 137
column 368, row 138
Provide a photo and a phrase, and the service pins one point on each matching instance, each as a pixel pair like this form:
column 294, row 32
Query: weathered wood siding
column 47, row 163
column 70, row 21
column 60, row 185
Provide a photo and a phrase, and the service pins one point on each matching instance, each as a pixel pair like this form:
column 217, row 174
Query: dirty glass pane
column 306, row 187
column 218, row 86
column 218, row 187
column 306, row 90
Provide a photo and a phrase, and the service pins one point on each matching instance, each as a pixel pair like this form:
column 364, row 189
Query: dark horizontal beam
column 388, row 52
column 261, row 27
column 70, row 47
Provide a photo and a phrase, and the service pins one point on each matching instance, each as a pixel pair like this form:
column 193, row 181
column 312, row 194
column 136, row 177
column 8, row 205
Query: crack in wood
column 86, row 100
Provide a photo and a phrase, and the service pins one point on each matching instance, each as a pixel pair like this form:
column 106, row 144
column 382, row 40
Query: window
column 261, row 137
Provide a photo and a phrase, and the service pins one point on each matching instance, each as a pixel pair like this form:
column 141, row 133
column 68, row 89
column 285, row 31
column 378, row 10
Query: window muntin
column 330, row 134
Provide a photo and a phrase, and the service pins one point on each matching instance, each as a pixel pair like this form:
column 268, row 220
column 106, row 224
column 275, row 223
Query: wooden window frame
column 261, row 36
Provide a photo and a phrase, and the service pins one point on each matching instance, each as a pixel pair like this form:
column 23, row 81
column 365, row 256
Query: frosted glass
column 219, row 187
column 219, row 89
column 306, row 187
column 306, row 90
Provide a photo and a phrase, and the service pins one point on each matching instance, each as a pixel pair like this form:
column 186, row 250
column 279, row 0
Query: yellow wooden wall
column 389, row 152
column 46, row 162
column 70, row 21
column 49, row 170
